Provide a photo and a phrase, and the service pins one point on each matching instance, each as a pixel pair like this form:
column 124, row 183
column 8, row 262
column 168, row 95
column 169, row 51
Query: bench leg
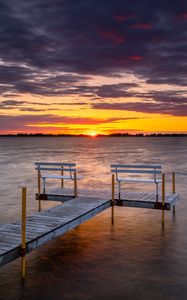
column 156, row 192
column 75, row 184
column 163, row 199
column 113, row 197
column 119, row 191
column 44, row 185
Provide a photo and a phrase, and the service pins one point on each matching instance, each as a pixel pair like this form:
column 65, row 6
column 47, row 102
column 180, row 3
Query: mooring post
column 62, row 179
column 23, row 234
column 75, row 184
column 39, row 188
column 113, row 196
column 163, row 199
column 173, row 189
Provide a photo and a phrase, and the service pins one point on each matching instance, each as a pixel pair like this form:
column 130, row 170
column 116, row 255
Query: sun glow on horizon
column 92, row 133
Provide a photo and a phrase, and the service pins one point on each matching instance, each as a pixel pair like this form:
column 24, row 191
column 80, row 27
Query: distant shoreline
column 99, row 135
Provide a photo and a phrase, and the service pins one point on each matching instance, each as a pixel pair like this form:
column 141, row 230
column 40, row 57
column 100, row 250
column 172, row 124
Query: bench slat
column 130, row 179
column 55, row 164
column 60, row 176
column 57, row 169
column 56, row 176
column 136, row 166
column 136, row 171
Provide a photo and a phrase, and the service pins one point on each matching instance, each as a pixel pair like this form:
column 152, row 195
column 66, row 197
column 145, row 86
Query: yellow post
column 113, row 196
column 163, row 199
column 75, row 184
column 39, row 189
column 173, row 189
column 23, row 234
column 62, row 180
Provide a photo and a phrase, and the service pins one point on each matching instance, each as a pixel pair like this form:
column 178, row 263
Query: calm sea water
column 134, row 259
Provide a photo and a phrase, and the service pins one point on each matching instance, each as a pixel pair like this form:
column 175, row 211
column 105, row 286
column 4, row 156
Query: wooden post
column 113, row 196
column 39, row 188
column 163, row 199
column 62, row 179
column 173, row 189
column 23, row 234
column 75, row 184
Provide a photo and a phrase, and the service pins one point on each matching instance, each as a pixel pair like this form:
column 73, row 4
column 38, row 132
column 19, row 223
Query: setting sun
column 92, row 133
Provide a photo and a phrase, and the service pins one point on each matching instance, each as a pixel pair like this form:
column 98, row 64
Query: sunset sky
column 93, row 66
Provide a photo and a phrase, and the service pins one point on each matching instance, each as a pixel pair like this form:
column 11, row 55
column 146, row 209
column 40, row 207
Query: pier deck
column 49, row 224
column 129, row 199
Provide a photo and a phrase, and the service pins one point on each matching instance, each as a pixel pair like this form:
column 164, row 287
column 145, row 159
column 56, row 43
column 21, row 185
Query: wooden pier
column 129, row 199
column 51, row 223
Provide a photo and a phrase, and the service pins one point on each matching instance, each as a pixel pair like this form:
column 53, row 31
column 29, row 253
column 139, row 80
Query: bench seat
column 67, row 172
column 59, row 176
column 147, row 180
column 56, row 176
column 141, row 173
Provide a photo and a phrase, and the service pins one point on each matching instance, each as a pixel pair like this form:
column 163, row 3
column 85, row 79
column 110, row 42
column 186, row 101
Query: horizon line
column 87, row 135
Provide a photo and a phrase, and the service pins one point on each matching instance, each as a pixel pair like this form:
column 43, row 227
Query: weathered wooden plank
column 65, row 194
column 173, row 198
column 12, row 237
column 17, row 231
column 142, row 204
column 3, row 249
column 7, row 245
column 75, row 214
column 52, row 197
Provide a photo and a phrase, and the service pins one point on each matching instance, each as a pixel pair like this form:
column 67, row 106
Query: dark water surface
column 134, row 259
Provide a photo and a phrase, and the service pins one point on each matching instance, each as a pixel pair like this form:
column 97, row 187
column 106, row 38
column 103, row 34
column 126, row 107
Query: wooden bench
column 134, row 175
column 67, row 172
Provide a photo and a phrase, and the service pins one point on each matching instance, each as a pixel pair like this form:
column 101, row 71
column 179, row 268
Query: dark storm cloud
column 23, row 79
column 10, row 104
column 115, row 90
column 102, row 91
column 31, row 106
column 41, row 39
column 165, row 102
column 32, row 109
column 55, row 87
column 36, row 121
column 174, row 109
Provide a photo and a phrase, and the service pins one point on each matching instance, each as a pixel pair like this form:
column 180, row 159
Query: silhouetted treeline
column 99, row 135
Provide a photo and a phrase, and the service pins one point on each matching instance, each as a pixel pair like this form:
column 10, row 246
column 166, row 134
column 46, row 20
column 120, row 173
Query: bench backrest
column 56, row 166
column 136, row 169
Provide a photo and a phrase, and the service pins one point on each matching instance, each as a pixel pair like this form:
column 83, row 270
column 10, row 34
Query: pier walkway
column 47, row 225
column 129, row 199
column 51, row 223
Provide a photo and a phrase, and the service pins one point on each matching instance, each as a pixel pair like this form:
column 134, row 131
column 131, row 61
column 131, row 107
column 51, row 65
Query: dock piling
column 113, row 196
column 23, row 234
column 173, row 189
column 39, row 188
column 163, row 200
column 75, row 184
